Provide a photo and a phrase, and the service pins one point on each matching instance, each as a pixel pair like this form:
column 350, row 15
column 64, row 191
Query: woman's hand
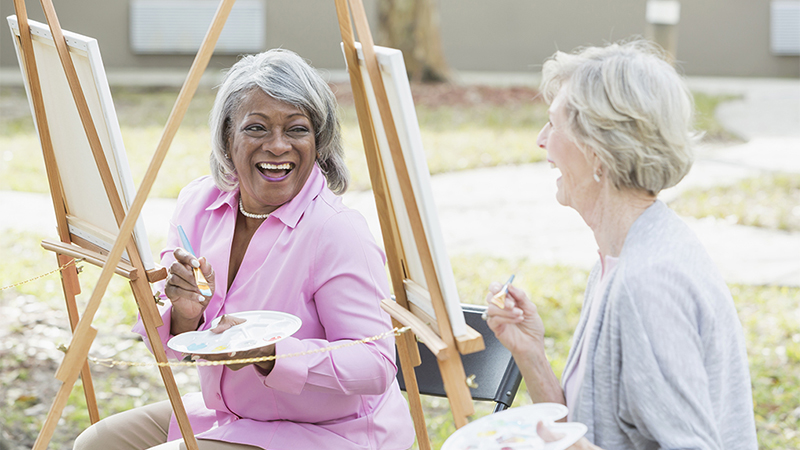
column 264, row 367
column 549, row 436
column 520, row 329
column 181, row 288
column 517, row 326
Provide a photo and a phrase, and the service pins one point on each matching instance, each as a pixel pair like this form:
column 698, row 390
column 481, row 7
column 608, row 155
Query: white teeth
column 552, row 165
column 268, row 166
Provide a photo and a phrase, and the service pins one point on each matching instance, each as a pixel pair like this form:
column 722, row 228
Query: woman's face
column 273, row 149
column 576, row 185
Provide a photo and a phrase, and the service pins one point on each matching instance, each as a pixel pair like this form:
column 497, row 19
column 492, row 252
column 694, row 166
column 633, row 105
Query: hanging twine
column 108, row 362
column 71, row 262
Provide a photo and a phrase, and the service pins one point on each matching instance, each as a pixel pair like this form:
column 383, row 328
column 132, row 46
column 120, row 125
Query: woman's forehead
column 258, row 100
column 558, row 103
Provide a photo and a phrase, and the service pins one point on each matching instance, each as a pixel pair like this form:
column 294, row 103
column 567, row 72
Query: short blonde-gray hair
column 630, row 107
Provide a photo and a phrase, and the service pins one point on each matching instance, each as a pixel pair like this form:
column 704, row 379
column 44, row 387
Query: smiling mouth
column 275, row 171
column 553, row 166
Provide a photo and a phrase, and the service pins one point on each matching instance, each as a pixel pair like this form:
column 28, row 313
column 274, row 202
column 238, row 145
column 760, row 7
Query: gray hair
column 284, row 76
column 630, row 107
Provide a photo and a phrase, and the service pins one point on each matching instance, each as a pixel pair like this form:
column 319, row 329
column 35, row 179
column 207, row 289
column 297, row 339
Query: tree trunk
column 412, row 26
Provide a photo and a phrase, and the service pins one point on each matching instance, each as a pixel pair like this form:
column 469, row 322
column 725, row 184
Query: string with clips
column 64, row 266
column 108, row 362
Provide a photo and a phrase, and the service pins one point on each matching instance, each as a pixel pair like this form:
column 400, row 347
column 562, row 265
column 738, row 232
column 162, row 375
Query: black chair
column 496, row 373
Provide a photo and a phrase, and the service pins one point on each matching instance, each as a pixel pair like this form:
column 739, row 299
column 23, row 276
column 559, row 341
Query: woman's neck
column 613, row 214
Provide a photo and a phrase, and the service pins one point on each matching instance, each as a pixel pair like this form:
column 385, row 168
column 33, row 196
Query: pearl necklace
column 250, row 215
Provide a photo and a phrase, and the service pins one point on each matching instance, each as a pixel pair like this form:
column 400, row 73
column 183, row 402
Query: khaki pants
column 140, row 429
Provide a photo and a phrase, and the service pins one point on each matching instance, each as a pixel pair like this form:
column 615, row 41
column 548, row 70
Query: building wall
column 715, row 37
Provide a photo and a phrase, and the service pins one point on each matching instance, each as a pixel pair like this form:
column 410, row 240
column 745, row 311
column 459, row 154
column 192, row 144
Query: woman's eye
column 255, row 128
column 298, row 130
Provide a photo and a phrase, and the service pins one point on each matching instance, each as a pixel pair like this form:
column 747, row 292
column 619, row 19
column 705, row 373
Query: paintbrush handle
column 185, row 240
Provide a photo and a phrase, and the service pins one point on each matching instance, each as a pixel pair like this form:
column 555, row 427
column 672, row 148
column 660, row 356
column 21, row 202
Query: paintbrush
column 499, row 299
column 202, row 284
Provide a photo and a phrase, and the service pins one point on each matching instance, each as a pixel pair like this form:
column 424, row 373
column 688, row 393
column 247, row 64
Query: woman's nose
column 278, row 145
column 541, row 140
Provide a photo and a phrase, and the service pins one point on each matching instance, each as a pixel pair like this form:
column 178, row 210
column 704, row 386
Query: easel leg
column 71, row 286
column 60, row 401
column 456, row 388
column 404, row 343
column 142, row 293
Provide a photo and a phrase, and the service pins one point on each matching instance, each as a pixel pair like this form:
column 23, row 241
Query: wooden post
column 663, row 17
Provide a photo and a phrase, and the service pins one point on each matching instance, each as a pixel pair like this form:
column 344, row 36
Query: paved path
column 511, row 211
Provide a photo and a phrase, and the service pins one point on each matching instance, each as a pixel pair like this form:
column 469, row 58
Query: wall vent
column 785, row 27
column 179, row 26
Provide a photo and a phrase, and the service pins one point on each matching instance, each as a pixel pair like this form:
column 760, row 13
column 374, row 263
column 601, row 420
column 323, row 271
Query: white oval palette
column 262, row 328
column 515, row 429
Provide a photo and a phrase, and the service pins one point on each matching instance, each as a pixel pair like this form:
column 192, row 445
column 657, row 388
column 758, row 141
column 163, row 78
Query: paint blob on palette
column 515, row 429
column 261, row 328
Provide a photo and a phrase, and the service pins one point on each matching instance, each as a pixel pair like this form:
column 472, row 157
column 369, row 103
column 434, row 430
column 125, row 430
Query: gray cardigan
column 667, row 366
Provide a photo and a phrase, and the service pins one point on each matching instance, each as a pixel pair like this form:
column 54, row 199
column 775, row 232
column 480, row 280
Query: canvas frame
column 401, row 103
column 90, row 217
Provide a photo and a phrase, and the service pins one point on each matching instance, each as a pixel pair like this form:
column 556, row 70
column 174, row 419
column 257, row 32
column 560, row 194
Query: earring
column 596, row 177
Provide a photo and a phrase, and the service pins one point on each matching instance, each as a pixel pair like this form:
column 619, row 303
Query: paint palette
column 262, row 328
column 515, row 429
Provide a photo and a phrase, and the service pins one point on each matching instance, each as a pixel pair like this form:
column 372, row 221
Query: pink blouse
column 314, row 258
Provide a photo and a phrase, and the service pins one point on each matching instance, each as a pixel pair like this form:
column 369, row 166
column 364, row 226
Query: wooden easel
column 75, row 361
column 435, row 332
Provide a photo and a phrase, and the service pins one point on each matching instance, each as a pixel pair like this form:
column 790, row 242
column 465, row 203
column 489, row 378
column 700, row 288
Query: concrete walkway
column 511, row 211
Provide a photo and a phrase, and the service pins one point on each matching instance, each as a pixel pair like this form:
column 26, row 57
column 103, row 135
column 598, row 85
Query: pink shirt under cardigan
column 574, row 379
column 314, row 258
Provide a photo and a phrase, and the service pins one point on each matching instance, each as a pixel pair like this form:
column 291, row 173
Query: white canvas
column 89, row 212
column 398, row 92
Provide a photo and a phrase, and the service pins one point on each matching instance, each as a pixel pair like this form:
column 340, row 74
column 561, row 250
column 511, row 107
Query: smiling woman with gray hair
column 658, row 358
column 274, row 237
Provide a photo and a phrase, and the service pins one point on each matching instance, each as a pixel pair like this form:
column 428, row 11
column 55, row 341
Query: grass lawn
column 770, row 317
column 457, row 134
column 455, row 138
column 769, row 201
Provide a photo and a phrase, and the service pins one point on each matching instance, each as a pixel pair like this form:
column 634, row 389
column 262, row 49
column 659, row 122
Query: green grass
column 770, row 317
column 705, row 105
column 454, row 137
column 769, row 201
column 494, row 136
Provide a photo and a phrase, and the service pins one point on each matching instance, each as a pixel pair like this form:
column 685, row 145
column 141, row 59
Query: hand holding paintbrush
column 499, row 299
column 189, row 286
column 202, row 284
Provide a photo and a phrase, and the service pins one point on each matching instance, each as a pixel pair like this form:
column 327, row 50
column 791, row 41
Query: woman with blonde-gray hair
column 658, row 358
column 270, row 234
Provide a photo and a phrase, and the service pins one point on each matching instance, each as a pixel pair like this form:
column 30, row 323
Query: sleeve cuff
column 289, row 374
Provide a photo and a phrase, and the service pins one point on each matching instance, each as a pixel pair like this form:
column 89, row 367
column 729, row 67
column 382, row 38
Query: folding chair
column 496, row 376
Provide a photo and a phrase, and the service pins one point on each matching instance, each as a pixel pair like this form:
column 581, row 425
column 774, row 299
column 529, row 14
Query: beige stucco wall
column 715, row 37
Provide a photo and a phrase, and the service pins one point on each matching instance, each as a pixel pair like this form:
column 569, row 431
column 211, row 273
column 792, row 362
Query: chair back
column 496, row 374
